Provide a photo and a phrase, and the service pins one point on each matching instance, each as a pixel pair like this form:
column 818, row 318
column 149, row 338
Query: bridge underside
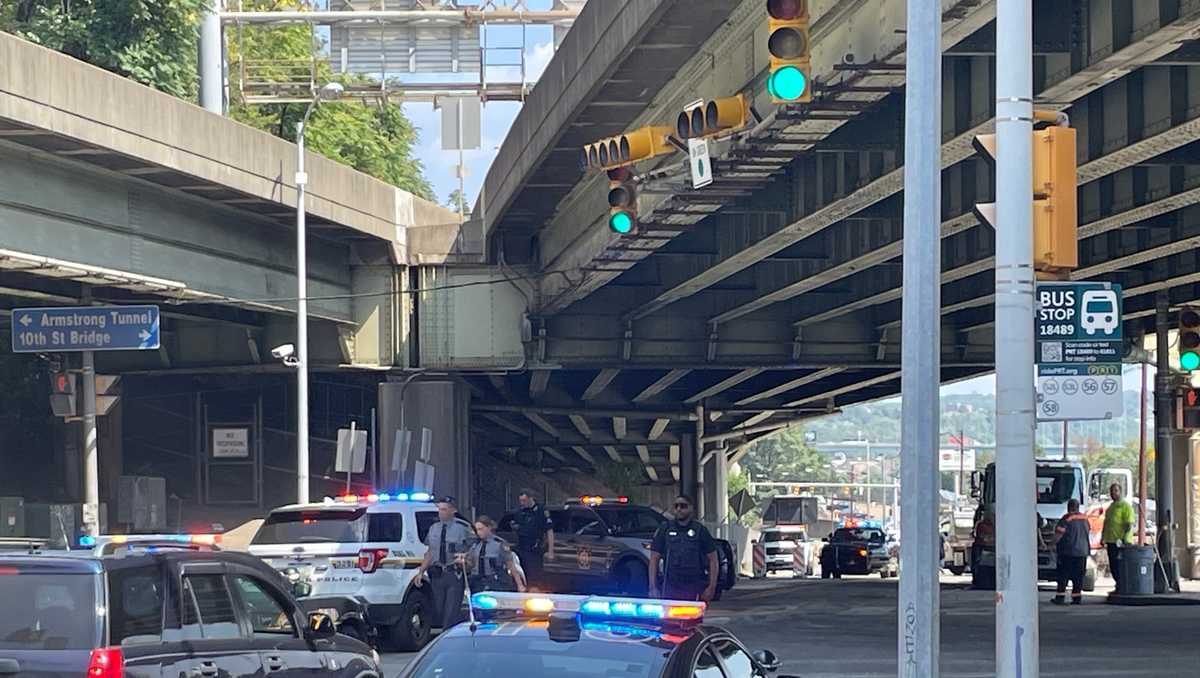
column 784, row 302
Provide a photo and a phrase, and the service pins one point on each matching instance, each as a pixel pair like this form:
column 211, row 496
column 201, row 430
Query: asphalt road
column 847, row 629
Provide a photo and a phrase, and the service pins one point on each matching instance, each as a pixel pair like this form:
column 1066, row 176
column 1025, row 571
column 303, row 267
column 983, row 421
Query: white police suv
column 365, row 547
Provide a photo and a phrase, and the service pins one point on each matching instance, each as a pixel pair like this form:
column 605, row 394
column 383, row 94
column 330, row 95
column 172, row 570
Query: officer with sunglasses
column 688, row 555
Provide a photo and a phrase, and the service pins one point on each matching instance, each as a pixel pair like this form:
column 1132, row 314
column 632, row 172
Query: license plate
column 958, row 557
column 343, row 564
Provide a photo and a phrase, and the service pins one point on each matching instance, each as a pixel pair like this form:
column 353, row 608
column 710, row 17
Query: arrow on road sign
column 143, row 335
column 25, row 320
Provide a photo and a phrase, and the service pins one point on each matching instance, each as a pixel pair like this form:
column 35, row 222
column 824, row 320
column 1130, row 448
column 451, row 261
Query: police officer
column 689, row 556
column 535, row 535
column 446, row 545
column 490, row 561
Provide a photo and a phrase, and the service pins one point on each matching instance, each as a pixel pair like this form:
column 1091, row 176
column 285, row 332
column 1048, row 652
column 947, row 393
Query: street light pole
column 1016, row 552
column 330, row 90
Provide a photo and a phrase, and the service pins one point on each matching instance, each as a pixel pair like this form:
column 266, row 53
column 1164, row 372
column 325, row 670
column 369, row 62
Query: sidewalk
column 1190, row 595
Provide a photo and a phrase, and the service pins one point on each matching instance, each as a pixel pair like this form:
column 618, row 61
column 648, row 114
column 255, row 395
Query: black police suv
column 543, row 642
column 857, row 550
column 603, row 546
column 175, row 613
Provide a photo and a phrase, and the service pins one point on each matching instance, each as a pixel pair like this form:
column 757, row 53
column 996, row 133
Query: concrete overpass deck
column 138, row 195
column 775, row 294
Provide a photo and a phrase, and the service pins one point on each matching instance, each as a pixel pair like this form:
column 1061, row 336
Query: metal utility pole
column 1016, row 550
column 212, row 71
column 301, row 318
column 91, row 447
column 919, row 632
column 1141, row 528
column 1163, row 449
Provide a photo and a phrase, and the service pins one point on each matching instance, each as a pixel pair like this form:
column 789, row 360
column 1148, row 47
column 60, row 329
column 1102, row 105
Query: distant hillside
column 974, row 415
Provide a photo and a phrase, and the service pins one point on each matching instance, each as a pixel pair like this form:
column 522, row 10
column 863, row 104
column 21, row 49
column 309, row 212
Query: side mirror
column 301, row 589
column 767, row 660
column 320, row 627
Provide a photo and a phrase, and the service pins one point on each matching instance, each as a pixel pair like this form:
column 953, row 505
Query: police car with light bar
column 542, row 636
column 602, row 545
column 357, row 549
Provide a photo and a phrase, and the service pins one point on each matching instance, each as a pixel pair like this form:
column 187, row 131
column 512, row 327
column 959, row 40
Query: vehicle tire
column 633, row 579
column 958, row 570
column 983, row 578
column 415, row 627
column 354, row 629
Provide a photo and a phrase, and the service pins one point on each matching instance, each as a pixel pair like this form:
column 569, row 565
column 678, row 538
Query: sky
column 498, row 116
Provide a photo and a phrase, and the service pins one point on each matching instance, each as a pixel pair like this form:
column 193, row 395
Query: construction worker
column 535, row 536
column 1072, row 538
column 689, row 556
column 490, row 561
column 446, row 545
column 1118, row 530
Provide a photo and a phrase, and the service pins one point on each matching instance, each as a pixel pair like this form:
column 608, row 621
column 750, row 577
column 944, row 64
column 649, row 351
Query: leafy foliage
column 151, row 41
column 786, row 457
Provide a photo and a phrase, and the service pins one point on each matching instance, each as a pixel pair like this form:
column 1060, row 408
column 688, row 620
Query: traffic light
column 62, row 392
column 626, row 149
column 713, row 117
column 789, row 78
column 1189, row 338
column 1055, row 211
column 622, row 201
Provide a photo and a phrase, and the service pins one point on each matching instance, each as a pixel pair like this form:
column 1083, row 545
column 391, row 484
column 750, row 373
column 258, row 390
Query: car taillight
column 985, row 532
column 370, row 559
column 106, row 662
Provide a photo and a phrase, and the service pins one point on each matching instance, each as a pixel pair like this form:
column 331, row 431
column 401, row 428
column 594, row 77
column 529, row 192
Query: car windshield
column 1055, row 485
column 486, row 655
column 631, row 521
column 313, row 526
column 57, row 611
column 858, row 534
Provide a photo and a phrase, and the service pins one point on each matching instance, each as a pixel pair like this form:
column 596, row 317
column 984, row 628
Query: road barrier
column 760, row 560
column 800, row 561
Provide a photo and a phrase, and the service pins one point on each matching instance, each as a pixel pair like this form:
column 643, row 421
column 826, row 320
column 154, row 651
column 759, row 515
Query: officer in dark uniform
column 446, row 547
column 490, row 561
column 689, row 556
column 535, row 536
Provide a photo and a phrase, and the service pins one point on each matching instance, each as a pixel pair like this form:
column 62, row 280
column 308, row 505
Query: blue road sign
column 84, row 328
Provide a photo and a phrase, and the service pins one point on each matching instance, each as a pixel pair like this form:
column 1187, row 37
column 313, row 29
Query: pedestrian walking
column 535, row 537
column 1118, row 530
column 1073, row 542
column 689, row 557
column 490, row 561
column 446, row 547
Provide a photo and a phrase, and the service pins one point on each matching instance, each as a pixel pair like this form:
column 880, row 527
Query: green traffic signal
column 788, row 83
column 1189, row 360
column 620, row 222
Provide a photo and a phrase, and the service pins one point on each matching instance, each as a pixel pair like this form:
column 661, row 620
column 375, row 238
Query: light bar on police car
column 377, row 497
column 589, row 607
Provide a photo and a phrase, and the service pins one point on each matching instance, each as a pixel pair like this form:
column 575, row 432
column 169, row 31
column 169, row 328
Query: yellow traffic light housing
column 622, row 201
column 626, row 149
column 713, row 117
column 789, row 44
column 1055, row 210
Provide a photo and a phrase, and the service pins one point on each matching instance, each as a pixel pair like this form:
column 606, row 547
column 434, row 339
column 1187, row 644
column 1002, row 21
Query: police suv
column 365, row 547
column 603, row 545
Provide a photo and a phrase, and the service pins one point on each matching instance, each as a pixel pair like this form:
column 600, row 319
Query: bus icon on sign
column 1100, row 312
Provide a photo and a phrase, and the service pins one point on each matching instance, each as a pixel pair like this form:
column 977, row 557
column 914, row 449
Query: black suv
column 164, row 614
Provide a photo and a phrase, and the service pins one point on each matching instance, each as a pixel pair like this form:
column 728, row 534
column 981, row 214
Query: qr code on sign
column 1052, row 352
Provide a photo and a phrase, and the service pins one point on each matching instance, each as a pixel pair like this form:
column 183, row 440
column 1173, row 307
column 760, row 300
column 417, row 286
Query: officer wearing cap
column 491, row 562
column 535, row 535
column 446, row 543
column 689, row 556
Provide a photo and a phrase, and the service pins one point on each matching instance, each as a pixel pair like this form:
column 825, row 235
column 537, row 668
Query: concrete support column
column 689, row 466
column 1192, row 563
column 375, row 341
column 716, row 491
column 443, row 408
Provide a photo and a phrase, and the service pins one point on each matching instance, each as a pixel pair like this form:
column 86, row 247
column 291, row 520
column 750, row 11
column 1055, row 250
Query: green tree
column 151, row 41
column 377, row 140
column 785, row 456
column 458, row 202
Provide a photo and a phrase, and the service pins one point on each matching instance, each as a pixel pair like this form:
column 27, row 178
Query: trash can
column 1137, row 571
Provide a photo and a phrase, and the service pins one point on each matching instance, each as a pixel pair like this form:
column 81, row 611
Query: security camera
column 283, row 352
